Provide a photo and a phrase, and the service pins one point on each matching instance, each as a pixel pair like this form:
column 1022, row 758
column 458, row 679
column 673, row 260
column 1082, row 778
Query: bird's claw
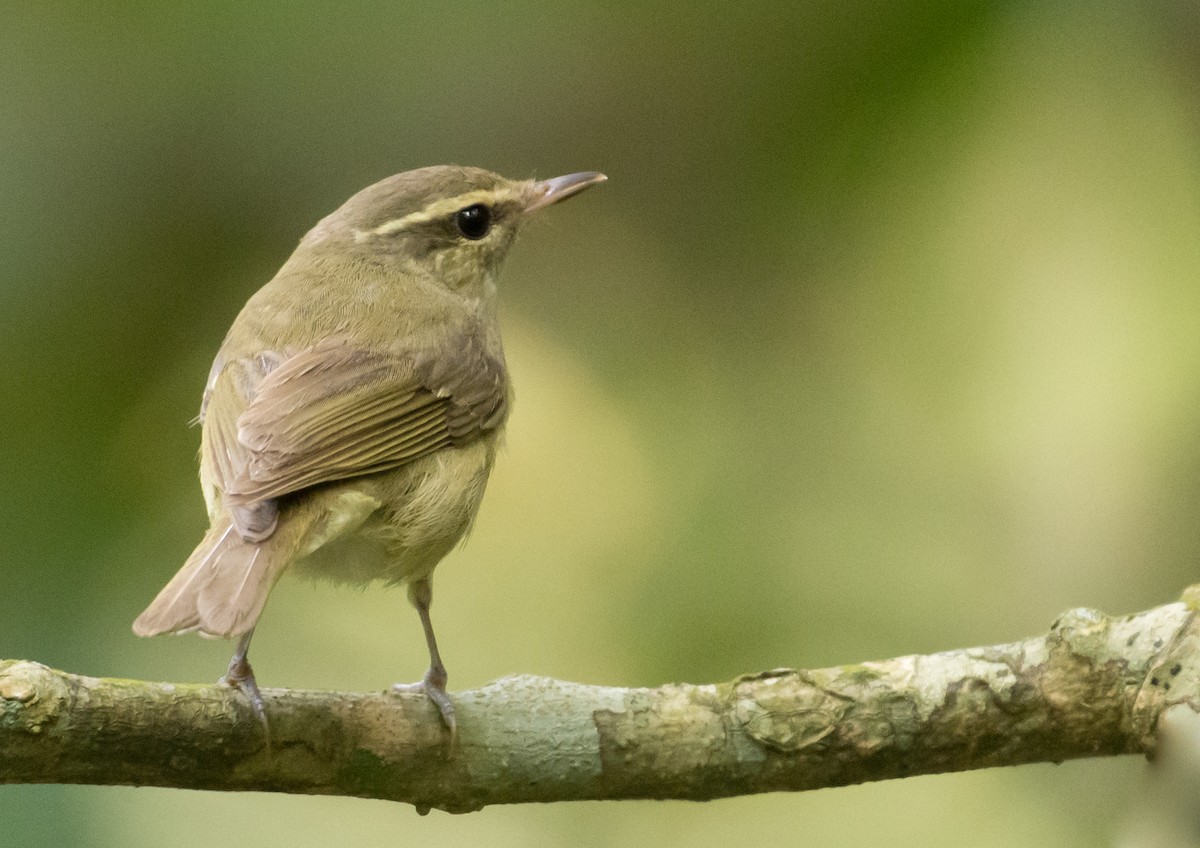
column 434, row 687
column 240, row 676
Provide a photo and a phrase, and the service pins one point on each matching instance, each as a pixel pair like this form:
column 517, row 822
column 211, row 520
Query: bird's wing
column 337, row 410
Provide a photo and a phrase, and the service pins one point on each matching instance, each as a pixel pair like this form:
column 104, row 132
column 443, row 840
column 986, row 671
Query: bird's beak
column 545, row 192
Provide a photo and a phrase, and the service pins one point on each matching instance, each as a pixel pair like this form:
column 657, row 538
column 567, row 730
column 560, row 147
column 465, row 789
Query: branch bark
column 1092, row 686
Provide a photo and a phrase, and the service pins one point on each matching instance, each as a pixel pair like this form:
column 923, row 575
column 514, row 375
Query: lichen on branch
column 1092, row 686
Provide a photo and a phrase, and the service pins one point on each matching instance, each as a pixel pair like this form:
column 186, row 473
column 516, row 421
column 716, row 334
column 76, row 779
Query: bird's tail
column 221, row 589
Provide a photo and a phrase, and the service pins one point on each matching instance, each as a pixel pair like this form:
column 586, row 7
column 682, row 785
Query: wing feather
column 334, row 411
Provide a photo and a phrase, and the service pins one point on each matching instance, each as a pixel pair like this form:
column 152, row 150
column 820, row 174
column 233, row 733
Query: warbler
column 352, row 415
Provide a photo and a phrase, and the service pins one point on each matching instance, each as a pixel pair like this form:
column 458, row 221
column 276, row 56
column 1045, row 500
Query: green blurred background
column 882, row 338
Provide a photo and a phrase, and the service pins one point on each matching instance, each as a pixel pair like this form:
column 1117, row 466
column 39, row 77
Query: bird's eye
column 474, row 221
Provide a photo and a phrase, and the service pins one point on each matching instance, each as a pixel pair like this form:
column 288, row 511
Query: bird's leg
column 433, row 685
column 241, row 677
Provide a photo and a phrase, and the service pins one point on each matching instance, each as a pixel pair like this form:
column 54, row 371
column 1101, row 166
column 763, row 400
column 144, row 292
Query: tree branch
column 1092, row 686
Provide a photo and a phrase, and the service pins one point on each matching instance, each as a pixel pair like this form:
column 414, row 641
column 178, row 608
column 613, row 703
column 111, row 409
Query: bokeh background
column 882, row 338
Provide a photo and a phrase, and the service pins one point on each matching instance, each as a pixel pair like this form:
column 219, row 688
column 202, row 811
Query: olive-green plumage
column 352, row 415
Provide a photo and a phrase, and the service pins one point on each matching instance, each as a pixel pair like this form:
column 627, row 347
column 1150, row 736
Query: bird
column 353, row 413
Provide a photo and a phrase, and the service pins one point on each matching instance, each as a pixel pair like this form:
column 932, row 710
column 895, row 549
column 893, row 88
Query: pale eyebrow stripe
column 442, row 208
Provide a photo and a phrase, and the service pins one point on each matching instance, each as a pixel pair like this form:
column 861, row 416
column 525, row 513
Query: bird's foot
column 240, row 676
column 434, row 687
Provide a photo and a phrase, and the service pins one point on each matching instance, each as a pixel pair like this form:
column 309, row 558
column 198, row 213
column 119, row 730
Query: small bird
column 353, row 412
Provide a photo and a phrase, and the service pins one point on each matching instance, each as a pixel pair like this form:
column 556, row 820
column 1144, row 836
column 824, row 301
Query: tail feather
column 221, row 589
column 231, row 602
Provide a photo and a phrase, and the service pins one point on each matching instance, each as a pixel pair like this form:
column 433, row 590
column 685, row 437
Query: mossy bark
column 1092, row 686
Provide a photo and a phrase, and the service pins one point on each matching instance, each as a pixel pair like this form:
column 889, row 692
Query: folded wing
column 336, row 410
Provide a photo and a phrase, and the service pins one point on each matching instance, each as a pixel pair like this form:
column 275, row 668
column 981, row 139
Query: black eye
column 474, row 221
